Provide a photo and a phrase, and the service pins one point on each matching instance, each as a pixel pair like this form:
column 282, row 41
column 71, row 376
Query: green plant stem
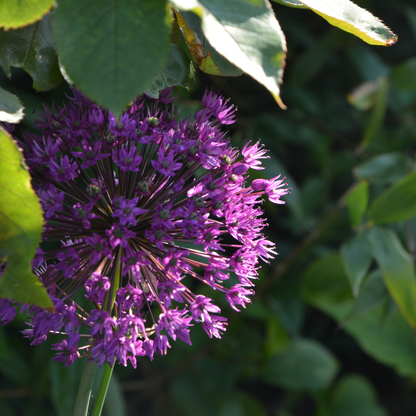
column 84, row 390
column 102, row 392
column 108, row 369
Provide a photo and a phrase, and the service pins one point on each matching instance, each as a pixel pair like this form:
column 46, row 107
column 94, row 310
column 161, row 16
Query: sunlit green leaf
column 33, row 49
column 397, row 203
column 248, row 35
column 112, row 54
column 292, row 3
column 19, row 13
column 356, row 255
column 357, row 201
column 11, row 109
column 208, row 59
column 21, row 224
column 349, row 17
column 398, row 270
column 305, row 365
column 178, row 71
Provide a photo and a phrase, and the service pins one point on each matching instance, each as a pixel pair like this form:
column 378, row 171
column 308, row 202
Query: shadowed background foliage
column 328, row 333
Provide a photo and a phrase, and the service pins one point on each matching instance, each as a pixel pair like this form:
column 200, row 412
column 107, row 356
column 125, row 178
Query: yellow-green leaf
column 353, row 19
column 21, row 224
column 19, row 13
column 201, row 56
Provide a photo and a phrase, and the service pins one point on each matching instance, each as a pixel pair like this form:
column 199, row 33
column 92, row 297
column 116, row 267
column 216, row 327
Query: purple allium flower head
column 135, row 209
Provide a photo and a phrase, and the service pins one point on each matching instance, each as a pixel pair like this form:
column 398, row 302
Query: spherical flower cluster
column 135, row 210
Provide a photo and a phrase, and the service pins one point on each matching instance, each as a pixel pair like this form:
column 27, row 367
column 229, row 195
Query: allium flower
column 135, row 210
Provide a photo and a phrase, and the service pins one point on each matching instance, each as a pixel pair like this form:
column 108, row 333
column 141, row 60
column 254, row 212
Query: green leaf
column 277, row 337
column 178, row 71
column 326, row 286
column 387, row 338
column 385, row 168
column 11, row 109
column 288, row 308
column 305, row 365
column 208, row 59
column 364, row 96
column 33, row 49
column 398, row 270
column 377, row 115
column 64, row 386
column 19, row 13
column 368, row 62
column 404, row 76
column 248, row 35
column 292, row 3
column 13, row 364
column 112, row 54
column 356, row 255
column 115, row 402
column 21, row 224
column 242, row 404
column 353, row 19
column 357, row 201
column 398, row 203
column 371, row 294
column 355, row 396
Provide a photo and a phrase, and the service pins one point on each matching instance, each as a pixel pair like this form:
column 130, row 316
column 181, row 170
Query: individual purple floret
column 165, row 164
column 90, row 154
column 7, row 311
column 51, row 200
column 135, row 210
column 126, row 158
column 128, row 211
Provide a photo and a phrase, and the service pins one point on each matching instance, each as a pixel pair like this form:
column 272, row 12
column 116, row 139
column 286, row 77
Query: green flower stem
column 102, row 392
column 84, row 390
column 108, row 369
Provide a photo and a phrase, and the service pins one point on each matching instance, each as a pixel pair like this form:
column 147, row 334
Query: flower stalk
column 85, row 388
column 102, row 391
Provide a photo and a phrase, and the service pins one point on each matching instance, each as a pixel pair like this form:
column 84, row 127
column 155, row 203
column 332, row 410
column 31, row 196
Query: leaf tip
column 279, row 101
column 392, row 41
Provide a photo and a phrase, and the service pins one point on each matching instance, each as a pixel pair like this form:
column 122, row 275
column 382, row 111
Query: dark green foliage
column 331, row 328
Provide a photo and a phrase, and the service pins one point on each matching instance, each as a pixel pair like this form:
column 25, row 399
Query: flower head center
column 164, row 214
